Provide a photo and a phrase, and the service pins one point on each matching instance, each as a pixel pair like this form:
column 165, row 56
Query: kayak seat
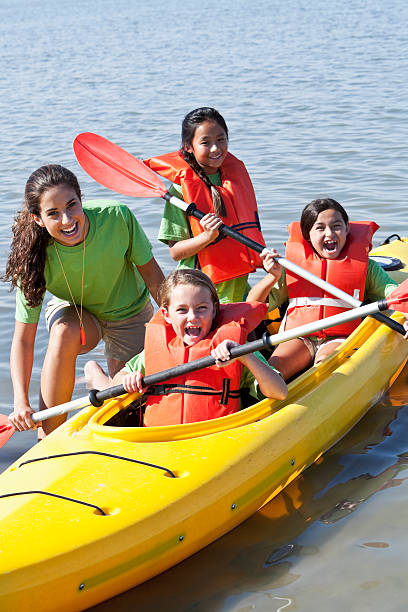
column 131, row 416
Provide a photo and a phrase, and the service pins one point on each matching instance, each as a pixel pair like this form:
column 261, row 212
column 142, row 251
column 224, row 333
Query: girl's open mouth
column 192, row 331
column 330, row 246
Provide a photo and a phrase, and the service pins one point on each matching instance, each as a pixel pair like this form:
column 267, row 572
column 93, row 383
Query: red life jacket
column 226, row 258
column 308, row 303
column 207, row 393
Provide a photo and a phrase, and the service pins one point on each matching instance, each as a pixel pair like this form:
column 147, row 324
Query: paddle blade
column 115, row 168
column 6, row 430
column 398, row 299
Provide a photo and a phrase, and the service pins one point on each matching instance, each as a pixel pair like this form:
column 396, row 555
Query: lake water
column 315, row 96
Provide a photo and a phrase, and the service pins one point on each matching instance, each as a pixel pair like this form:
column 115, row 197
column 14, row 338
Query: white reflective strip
column 179, row 203
column 315, row 280
column 317, row 301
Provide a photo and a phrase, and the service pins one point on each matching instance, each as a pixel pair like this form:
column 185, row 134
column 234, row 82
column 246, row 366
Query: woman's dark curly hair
column 26, row 261
column 190, row 123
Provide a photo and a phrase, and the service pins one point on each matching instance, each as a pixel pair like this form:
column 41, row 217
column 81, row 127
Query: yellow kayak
column 95, row 509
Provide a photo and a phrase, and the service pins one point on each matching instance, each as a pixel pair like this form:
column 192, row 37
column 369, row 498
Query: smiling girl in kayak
column 191, row 324
column 97, row 262
column 204, row 172
column 328, row 245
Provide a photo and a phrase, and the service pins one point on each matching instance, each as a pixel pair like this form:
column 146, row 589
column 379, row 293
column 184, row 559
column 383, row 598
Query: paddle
column 118, row 170
column 397, row 299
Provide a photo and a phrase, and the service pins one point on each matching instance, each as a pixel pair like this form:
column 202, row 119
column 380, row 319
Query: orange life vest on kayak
column 226, row 258
column 208, row 393
column 308, row 303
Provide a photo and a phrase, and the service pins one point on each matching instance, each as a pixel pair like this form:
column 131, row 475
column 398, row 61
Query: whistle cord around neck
column 79, row 312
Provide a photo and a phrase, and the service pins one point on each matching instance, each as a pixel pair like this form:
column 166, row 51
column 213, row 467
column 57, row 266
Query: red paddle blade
column 6, row 429
column 398, row 299
column 115, row 168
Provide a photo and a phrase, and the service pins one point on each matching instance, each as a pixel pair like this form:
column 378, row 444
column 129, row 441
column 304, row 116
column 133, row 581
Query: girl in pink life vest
column 204, row 172
column 336, row 250
column 192, row 324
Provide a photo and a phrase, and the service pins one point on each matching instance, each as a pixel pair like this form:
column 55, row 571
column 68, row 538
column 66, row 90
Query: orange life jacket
column 207, row 393
column 225, row 258
column 308, row 303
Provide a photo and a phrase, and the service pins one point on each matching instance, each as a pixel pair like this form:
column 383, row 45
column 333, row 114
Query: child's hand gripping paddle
column 120, row 171
column 397, row 300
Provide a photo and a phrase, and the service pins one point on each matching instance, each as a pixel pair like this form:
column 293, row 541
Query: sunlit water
column 315, row 97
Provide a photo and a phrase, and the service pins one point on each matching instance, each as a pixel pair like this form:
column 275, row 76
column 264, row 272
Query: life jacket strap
column 225, row 393
column 240, row 227
column 317, row 301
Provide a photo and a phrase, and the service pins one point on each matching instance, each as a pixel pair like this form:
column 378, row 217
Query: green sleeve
column 174, row 225
column 378, row 283
column 136, row 364
column 24, row 313
column 140, row 249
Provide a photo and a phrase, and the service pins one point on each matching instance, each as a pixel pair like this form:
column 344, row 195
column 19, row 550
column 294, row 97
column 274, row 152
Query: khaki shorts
column 123, row 339
column 313, row 343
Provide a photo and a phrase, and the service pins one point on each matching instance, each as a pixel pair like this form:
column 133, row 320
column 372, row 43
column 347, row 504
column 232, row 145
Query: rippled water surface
column 315, row 96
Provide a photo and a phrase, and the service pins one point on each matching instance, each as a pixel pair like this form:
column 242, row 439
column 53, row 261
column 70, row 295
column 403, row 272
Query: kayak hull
column 94, row 510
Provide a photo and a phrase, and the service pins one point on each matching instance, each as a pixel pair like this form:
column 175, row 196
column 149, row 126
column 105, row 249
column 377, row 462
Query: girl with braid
column 204, row 172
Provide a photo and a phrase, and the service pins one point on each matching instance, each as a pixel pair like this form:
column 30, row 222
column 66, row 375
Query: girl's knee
column 326, row 351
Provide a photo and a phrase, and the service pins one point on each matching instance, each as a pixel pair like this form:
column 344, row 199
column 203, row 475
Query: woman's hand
column 21, row 419
column 133, row 382
column 211, row 224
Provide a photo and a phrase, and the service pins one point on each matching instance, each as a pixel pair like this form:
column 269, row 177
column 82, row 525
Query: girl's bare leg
column 326, row 350
column 95, row 376
column 58, row 372
column 291, row 357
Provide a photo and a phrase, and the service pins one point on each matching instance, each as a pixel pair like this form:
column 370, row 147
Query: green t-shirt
column 175, row 227
column 114, row 246
column 248, row 380
column 378, row 285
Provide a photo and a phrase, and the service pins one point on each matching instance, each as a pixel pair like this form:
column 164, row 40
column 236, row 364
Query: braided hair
column 190, row 123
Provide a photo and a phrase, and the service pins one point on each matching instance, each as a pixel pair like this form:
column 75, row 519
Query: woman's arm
column 153, row 277
column 183, row 249
column 21, row 364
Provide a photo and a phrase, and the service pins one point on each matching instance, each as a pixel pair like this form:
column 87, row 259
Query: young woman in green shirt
column 97, row 262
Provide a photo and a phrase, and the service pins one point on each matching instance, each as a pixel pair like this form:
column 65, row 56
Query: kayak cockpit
column 101, row 421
